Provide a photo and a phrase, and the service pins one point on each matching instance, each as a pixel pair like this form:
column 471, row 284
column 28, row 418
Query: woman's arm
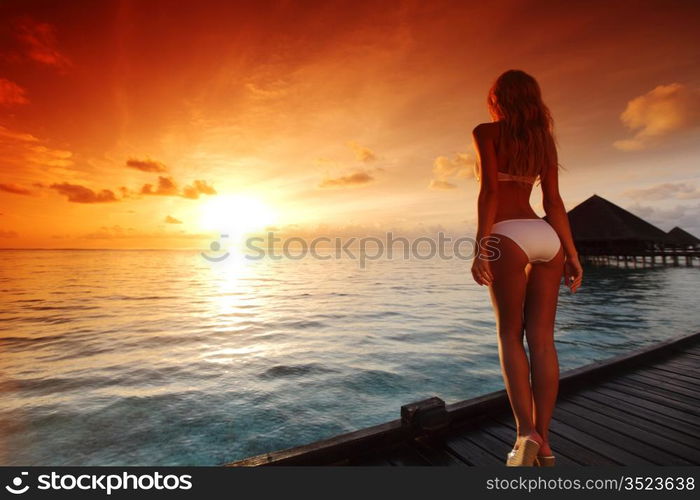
column 555, row 210
column 488, row 191
column 488, row 198
column 559, row 220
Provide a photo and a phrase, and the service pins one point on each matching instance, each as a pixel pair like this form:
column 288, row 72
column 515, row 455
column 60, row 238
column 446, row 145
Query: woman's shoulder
column 489, row 130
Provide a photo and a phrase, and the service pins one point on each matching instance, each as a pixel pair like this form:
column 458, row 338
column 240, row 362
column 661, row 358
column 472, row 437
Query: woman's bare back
column 513, row 197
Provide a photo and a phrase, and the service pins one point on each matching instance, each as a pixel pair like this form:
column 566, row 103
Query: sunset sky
column 127, row 124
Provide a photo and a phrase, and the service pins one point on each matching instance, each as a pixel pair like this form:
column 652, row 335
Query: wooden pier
column 643, row 258
column 641, row 408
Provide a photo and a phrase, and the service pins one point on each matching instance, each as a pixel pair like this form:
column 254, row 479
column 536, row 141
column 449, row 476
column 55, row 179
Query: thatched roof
column 678, row 236
column 598, row 220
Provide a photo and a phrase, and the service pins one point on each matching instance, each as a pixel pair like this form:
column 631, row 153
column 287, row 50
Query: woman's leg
column 540, row 311
column 508, row 297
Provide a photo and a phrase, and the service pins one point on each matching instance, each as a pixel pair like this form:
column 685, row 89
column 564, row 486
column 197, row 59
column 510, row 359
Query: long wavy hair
column 527, row 130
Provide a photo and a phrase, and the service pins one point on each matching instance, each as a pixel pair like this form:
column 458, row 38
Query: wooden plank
column 670, row 375
column 491, row 444
column 652, row 404
column 436, row 453
column 562, row 452
column 687, row 355
column 685, row 359
column 604, row 441
column 693, row 349
column 651, row 396
column 593, row 443
column 675, row 429
column 675, row 369
column 660, row 384
column 666, row 451
column 675, row 387
column 470, row 452
column 693, row 373
column 655, row 379
column 407, row 456
column 692, row 368
column 569, row 446
column 690, row 403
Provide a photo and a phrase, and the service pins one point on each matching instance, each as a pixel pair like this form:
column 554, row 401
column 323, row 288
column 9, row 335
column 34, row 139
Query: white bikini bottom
column 536, row 237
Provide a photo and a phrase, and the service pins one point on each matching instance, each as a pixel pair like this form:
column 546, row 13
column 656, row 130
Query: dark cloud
column 15, row 189
column 38, row 40
column 352, row 180
column 11, row 93
column 683, row 215
column 81, row 194
column 172, row 220
column 146, row 165
column 166, row 187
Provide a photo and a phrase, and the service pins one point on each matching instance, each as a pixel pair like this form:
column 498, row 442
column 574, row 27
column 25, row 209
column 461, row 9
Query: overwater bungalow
column 604, row 231
column 682, row 239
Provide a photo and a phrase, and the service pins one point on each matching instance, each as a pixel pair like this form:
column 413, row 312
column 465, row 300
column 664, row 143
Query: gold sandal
column 547, row 461
column 524, row 455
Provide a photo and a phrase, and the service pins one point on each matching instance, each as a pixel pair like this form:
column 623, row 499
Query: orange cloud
column 362, row 153
column 8, row 134
column 352, row 180
column 8, row 234
column 15, row 189
column 50, row 157
column 11, row 93
column 146, row 165
column 26, row 156
column 444, row 170
column 199, row 187
column 117, row 232
column 172, row 220
column 81, row 194
column 437, row 184
column 40, row 45
column 166, row 187
column 662, row 111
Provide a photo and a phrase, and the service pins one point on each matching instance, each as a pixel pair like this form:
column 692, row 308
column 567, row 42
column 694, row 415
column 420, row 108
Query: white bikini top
column 502, row 176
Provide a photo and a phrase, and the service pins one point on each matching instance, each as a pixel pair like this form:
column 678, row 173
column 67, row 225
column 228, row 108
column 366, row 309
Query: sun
column 235, row 215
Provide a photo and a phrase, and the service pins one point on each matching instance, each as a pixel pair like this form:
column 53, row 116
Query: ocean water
column 160, row 357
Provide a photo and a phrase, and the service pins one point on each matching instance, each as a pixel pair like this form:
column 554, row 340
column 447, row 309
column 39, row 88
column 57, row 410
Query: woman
column 521, row 257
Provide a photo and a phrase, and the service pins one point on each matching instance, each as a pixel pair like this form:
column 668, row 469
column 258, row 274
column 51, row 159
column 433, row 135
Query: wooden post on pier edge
column 425, row 417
